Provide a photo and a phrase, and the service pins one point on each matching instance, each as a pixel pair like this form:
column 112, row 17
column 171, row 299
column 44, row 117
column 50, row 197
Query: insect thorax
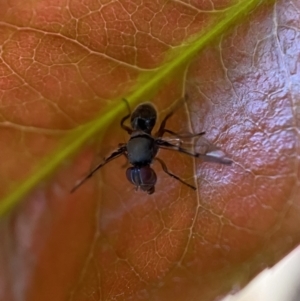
column 141, row 150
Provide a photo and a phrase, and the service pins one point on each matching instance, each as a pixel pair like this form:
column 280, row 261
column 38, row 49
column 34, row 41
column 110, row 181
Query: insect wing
column 209, row 152
column 205, row 150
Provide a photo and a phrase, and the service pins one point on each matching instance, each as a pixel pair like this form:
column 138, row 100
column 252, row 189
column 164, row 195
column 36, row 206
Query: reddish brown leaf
column 60, row 64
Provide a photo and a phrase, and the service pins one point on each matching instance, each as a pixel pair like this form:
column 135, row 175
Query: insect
column 142, row 147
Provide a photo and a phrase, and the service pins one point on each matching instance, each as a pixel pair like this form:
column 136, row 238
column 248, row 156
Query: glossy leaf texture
column 61, row 64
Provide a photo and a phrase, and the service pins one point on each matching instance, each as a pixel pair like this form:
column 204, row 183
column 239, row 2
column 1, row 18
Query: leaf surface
column 61, row 65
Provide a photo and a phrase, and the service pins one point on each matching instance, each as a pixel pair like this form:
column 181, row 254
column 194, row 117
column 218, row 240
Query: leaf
column 149, row 83
column 107, row 242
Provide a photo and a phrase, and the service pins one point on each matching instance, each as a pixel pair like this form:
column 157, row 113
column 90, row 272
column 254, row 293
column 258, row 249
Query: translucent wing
column 198, row 147
column 210, row 152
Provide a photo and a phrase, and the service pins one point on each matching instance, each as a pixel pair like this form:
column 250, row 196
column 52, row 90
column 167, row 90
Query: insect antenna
column 123, row 126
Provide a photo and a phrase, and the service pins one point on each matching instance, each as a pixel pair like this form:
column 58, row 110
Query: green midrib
column 75, row 140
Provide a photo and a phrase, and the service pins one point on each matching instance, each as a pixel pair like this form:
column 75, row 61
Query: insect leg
column 162, row 129
column 111, row 157
column 165, row 169
column 127, row 162
column 123, row 126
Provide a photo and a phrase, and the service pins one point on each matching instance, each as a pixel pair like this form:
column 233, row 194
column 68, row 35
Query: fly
column 142, row 147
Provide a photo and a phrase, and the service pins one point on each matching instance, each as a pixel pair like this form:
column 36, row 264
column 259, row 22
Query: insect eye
column 144, row 177
column 139, row 124
column 150, row 123
column 145, row 124
column 142, row 124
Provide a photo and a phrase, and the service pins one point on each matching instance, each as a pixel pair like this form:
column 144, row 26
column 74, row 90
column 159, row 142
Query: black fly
column 142, row 148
